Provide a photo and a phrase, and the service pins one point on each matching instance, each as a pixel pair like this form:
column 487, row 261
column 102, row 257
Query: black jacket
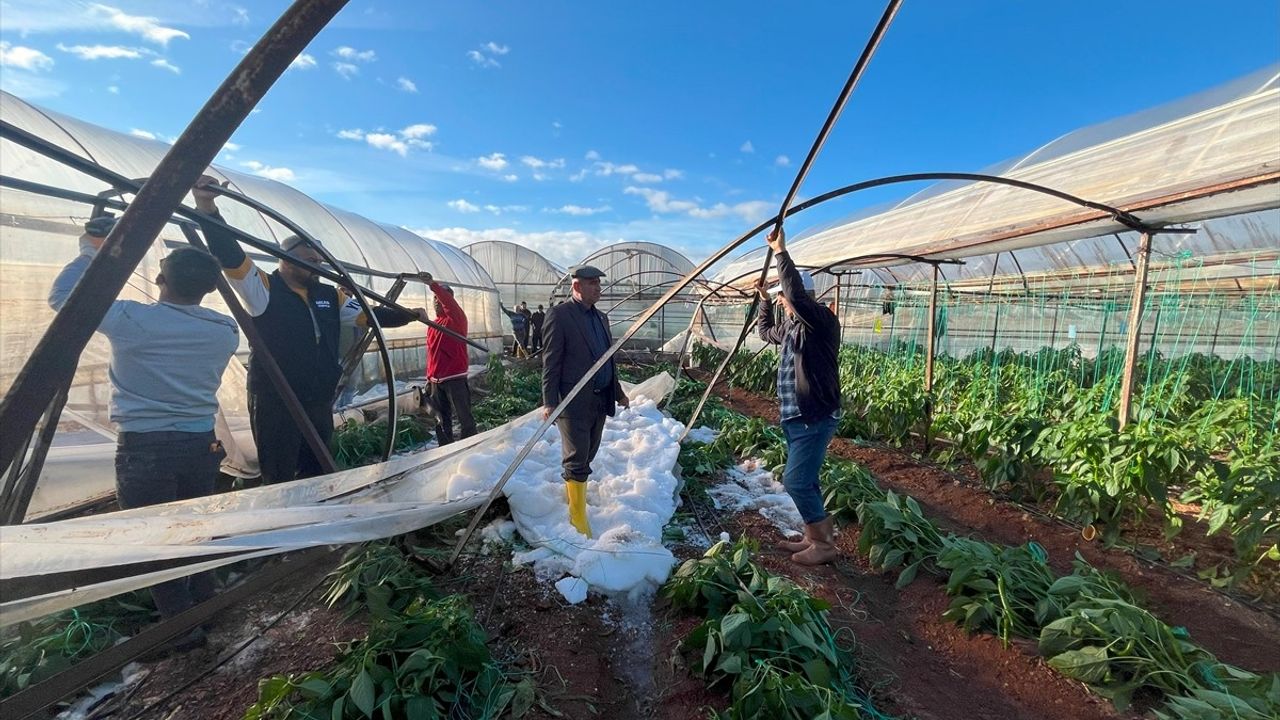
column 566, row 357
column 817, row 344
column 302, row 335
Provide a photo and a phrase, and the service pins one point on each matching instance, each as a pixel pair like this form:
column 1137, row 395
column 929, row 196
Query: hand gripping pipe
column 52, row 363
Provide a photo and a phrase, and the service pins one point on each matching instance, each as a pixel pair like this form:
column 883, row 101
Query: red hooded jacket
column 446, row 356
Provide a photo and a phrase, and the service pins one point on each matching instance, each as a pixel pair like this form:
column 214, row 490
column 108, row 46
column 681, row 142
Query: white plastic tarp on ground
column 355, row 505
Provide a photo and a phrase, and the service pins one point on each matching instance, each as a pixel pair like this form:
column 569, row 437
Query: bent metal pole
column 54, row 359
column 842, row 99
column 1120, row 216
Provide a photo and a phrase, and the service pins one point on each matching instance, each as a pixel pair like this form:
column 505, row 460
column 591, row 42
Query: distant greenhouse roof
column 1213, row 155
column 353, row 239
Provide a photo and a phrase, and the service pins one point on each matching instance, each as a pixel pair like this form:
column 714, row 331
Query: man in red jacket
column 447, row 365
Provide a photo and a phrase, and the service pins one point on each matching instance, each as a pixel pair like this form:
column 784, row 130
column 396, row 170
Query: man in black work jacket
column 575, row 335
column 809, row 395
column 299, row 319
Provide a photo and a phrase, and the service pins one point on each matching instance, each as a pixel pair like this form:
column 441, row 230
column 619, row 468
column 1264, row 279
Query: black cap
column 586, row 272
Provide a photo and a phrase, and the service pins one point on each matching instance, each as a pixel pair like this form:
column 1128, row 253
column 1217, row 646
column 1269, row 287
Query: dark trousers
column 161, row 467
column 580, row 439
column 282, row 453
column 535, row 340
column 450, row 397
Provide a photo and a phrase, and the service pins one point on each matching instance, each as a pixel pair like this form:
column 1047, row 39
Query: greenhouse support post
column 356, row 353
column 53, row 361
column 840, row 325
column 931, row 337
column 17, row 497
column 1135, row 327
column 308, row 429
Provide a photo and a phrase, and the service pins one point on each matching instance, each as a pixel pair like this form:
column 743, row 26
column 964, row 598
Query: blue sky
column 567, row 126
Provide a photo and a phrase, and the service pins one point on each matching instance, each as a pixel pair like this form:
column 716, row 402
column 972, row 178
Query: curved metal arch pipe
column 627, row 255
column 17, row 135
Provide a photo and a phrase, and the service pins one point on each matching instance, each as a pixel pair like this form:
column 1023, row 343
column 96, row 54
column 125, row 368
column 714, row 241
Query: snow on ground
column 84, row 707
column 751, row 486
column 702, row 434
column 630, row 498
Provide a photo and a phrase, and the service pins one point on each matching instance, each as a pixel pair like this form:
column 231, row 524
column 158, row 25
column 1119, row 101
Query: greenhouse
column 636, row 275
column 1014, row 453
column 40, row 236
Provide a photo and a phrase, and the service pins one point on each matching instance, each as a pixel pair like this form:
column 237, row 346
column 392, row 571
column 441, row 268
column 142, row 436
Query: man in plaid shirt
column 809, row 392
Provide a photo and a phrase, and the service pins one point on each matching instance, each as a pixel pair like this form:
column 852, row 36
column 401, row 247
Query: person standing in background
column 535, row 338
column 447, row 365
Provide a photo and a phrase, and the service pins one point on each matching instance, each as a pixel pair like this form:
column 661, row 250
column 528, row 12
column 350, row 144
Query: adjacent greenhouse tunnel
column 636, row 275
column 1028, row 273
column 521, row 274
column 40, row 234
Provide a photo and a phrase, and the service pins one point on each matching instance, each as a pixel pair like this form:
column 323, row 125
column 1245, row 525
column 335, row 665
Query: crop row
column 1087, row 624
column 1043, row 427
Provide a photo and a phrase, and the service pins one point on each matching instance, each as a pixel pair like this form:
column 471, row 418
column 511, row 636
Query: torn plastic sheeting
column 346, row 507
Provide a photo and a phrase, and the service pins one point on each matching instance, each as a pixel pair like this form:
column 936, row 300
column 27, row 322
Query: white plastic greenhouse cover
column 39, row 234
column 520, row 273
column 1212, row 155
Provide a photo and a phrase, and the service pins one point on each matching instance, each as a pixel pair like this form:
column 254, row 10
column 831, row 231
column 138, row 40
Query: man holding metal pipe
column 574, row 336
column 167, row 361
column 447, row 364
column 809, row 392
column 300, row 320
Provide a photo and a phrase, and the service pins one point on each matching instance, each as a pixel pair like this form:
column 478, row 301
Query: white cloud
column 418, row 130
column 592, row 155
column 782, row 161
column 482, row 60
column 113, row 89
column 463, row 206
column 239, row 16
column 494, row 161
column 23, row 57
column 166, row 65
column 538, row 163
column 304, row 61
column 672, row 174
column 346, row 70
column 233, row 147
column 747, row 147
column 148, row 28
column 495, row 48
column 406, row 85
column 282, row 174
column 510, row 177
column 498, row 210
column 556, row 124
column 142, row 134
column 399, row 142
column 607, row 168
column 564, row 247
column 580, row 211
column 353, row 55
column 646, row 178
column 101, row 52
column 387, row 141
column 660, row 201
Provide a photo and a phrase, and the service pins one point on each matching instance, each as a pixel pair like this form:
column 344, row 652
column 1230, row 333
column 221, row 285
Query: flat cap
column 587, row 272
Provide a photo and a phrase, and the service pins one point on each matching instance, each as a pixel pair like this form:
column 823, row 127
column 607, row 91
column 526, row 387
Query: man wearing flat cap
column 574, row 336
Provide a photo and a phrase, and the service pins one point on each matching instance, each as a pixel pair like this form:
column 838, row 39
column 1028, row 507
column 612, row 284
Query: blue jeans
column 806, row 448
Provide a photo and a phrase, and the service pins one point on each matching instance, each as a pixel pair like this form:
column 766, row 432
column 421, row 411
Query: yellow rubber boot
column 576, row 493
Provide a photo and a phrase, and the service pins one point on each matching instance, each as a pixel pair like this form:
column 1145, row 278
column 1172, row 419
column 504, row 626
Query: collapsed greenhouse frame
column 1139, row 284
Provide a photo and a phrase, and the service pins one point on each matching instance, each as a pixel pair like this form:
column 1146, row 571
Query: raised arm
column 768, row 330
column 250, row 283
column 807, row 310
column 115, row 320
